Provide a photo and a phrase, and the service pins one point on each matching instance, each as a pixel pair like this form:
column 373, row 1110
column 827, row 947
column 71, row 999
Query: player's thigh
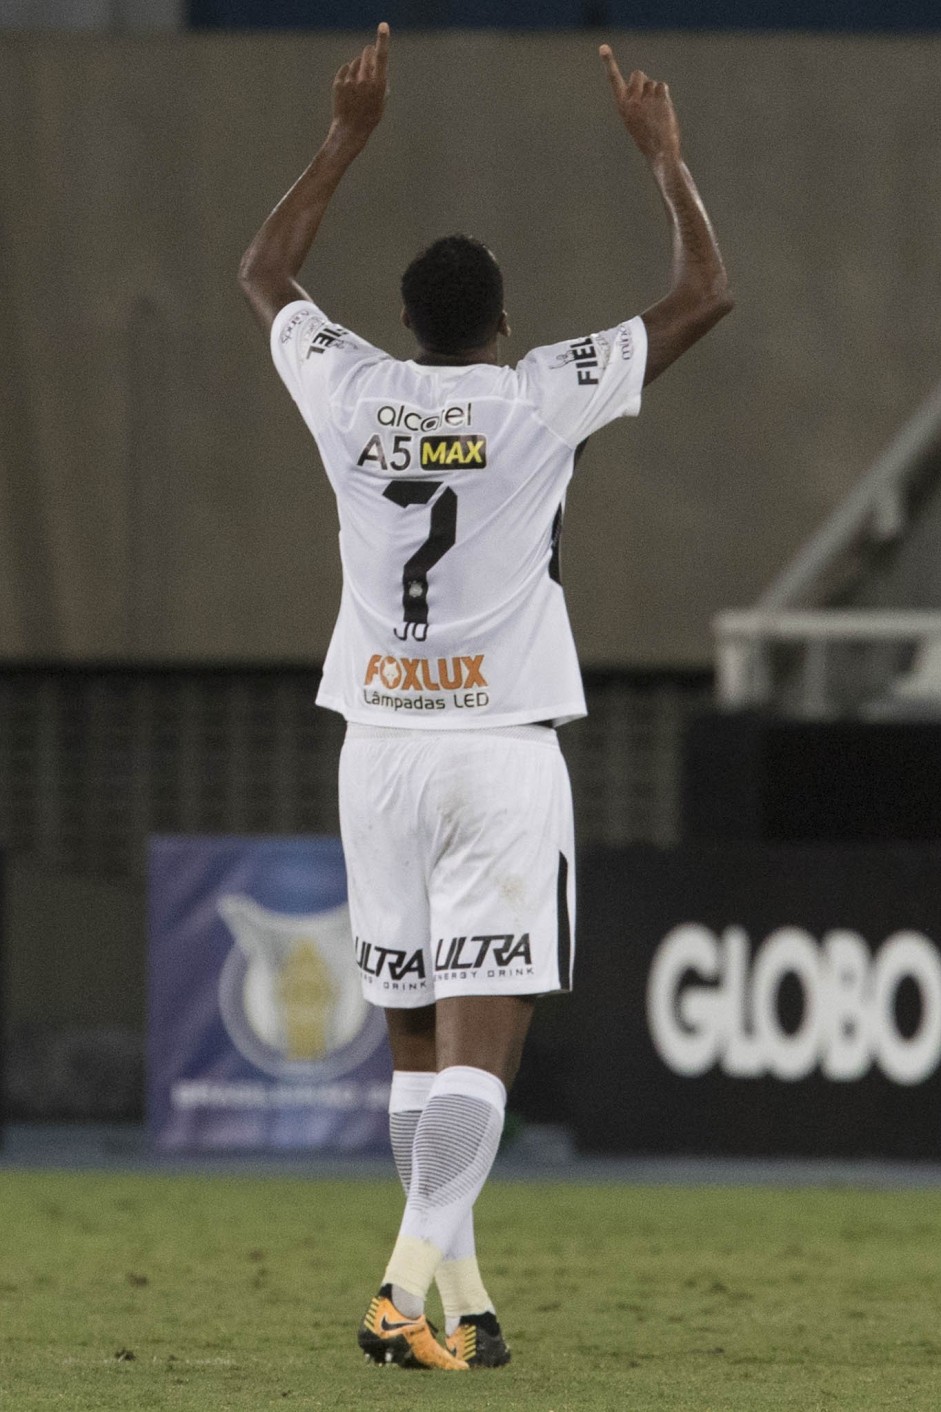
column 502, row 890
column 385, row 867
column 412, row 1038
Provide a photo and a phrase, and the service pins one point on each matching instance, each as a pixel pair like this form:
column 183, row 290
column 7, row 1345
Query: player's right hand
column 646, row 109
column 360, row 89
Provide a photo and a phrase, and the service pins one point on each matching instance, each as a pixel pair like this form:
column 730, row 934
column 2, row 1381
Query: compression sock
column 456, row 1140
column 458, row 1278
column 461, row 1288
column 408, row 1095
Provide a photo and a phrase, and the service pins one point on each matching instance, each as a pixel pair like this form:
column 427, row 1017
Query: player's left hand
column 360, row 89
column 646, row 109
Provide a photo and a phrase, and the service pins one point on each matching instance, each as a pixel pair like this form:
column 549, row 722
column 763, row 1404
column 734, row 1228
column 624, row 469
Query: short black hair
column 453, row 295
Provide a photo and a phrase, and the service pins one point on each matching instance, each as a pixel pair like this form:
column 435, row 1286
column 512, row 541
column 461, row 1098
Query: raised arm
column 269, row 268
column 699, row 294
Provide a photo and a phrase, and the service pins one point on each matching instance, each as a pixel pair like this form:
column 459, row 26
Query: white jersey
column 450, row 485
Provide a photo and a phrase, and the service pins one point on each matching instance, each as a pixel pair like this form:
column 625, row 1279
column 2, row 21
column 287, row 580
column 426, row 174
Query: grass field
column 209, row 1293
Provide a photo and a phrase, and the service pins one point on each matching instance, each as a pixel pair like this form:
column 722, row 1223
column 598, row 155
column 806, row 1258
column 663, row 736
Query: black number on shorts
column 440, row 539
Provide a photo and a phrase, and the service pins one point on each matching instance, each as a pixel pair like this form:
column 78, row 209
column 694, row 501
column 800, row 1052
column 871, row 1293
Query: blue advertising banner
column 258, row 1033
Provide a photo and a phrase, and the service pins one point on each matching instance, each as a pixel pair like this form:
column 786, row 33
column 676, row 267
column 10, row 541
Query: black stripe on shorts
column 564, row 942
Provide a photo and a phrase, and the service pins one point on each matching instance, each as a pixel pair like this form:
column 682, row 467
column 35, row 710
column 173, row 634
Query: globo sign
column 710, row 1003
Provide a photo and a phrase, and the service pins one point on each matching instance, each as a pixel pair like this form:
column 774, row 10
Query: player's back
column 452, row 472
column 450, row 484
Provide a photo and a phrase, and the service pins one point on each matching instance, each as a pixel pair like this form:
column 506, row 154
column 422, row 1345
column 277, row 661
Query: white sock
column 455, row 1143
column 408, row 1095
column 458, row 1277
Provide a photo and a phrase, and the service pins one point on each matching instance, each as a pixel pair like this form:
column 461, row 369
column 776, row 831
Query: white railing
column 875, row 509
column 744, row 639
column 792, row 608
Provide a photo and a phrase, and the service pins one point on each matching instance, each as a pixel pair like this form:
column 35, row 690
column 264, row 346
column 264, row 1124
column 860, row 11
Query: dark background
column 623, row 1096
column 839, row 15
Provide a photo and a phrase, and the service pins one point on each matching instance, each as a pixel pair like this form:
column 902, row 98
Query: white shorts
column 459, row 853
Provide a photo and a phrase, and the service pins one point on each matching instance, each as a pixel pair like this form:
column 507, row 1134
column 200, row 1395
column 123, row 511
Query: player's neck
column 488, row 353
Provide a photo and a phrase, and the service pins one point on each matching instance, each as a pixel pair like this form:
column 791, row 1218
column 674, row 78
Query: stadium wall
column 95, row 760
column 161, row 498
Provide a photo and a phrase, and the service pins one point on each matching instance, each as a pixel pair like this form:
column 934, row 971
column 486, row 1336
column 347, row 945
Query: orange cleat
column 386, row 1336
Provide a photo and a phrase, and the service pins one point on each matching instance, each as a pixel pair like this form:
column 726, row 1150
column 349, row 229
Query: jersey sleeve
column 581, row 385
column 314, row 357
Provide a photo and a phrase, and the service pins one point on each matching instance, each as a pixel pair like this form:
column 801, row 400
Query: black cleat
column 478, row 1341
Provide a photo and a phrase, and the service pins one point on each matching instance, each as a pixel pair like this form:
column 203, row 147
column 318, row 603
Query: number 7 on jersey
column 441, row 538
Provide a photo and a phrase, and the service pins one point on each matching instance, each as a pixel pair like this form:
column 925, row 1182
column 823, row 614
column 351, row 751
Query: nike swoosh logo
column 387, row 1328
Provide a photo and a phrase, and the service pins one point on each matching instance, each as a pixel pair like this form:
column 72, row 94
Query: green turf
column 208, row 1293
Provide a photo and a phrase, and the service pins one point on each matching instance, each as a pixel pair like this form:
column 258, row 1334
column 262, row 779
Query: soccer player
column 453, row 662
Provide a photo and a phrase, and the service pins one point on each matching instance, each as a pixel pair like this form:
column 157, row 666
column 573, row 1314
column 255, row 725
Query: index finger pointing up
column 611, row 66
column 382, row 46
